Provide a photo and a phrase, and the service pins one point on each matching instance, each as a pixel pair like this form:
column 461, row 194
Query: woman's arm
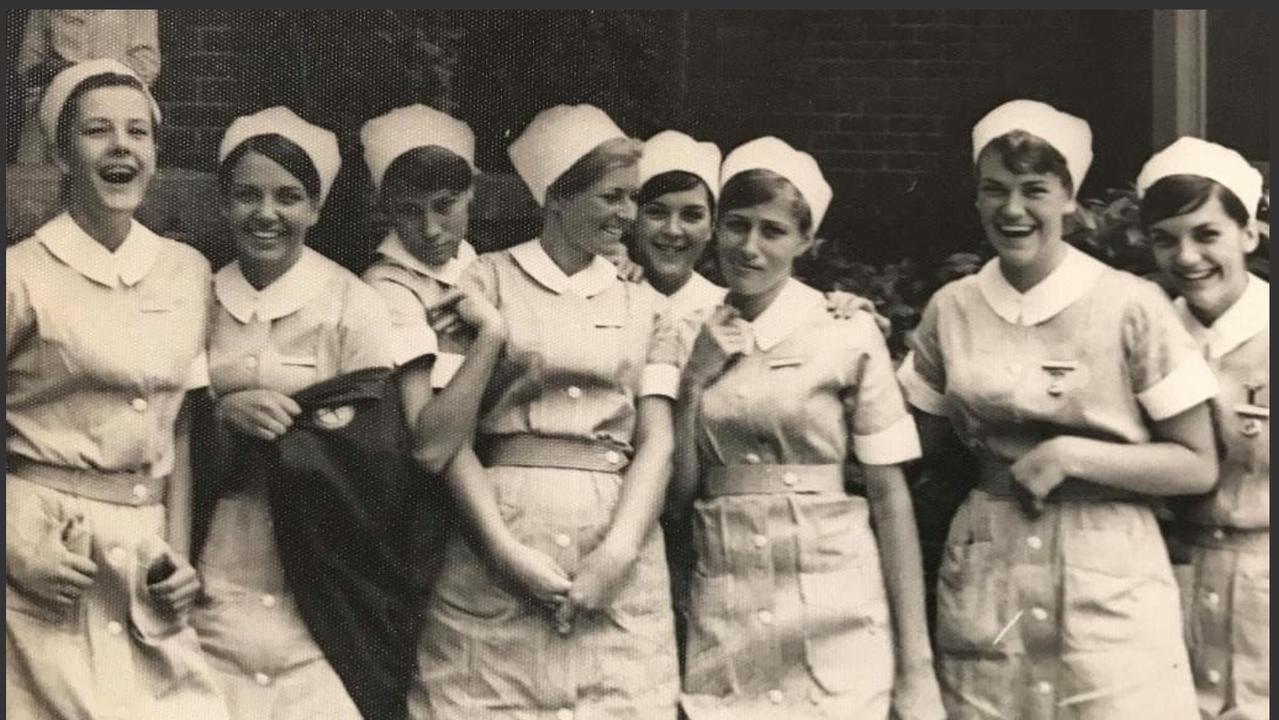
column 894, row 521
column 178, row 495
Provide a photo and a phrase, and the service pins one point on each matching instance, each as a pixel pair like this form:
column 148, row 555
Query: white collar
column 130, row 262
column 1240, row 323
column 785, row 313
column 446, row 273
column 285, row 296
column 696, row 293
column 592, row 280
column 1070, row 280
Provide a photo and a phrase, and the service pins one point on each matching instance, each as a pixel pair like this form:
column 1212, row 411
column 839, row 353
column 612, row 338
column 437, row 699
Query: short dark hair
column 756, row 187
column 1023, row 152
column 608, row 155
column 70, row 109
column 280, row 150
column 1180, row 194
column 428, row 169
column 673, row 181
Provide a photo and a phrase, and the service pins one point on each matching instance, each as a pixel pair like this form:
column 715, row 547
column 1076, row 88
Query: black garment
column 359, row 527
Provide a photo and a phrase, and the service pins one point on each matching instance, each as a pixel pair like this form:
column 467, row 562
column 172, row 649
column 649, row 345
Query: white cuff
column 1190, row 384
column 198, row 375
column 917, row 390
column 895, row 444
column 661, row 380
column 446, row 366
column 410, row 342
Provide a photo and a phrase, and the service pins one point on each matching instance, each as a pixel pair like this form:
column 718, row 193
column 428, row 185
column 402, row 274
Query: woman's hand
column 466, row 308
column 261, row 413
column 535, row 572
column 58, row 570
column 601, row 575
column 1039, row 472
column 628, row 270
column 724, row 336
column 844, row 305
column 173, row 584
column 916, row 695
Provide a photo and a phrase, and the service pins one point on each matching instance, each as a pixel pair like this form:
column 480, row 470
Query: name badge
column 782, row 362
column 1249, row 410
column 609, row 324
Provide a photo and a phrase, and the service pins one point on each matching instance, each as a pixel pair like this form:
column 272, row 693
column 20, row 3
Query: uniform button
column 790, row 478
column 262, row 679
column 115, row 628
column 575, row 392
column 139, row 404
column 751, row 458
column 743, row 391
column 1218, row 534
column 760, row 541
column 776, row 697
column 1034, row 543
column 1212, row 598
column 269, row 601
column 251, row 362
column 563, row 540
column 613, row 457
column 1044, row 687
column 1213, row 677
column 1039, row 614
column 564, row 714
column 117, row 555
column 140, row 491
column 765, row 617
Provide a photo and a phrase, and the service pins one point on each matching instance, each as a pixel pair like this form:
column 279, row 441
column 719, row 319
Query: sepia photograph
column 704, row 364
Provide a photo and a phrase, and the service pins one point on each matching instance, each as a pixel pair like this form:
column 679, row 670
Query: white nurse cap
column 557, row 138
column 673, row 150
column 65, row 83
column 770, row 153
column 1069, row 135
column 389, row 136
column 319, row 144
column 1192, row 156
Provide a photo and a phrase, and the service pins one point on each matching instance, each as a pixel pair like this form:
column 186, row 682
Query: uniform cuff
column 895, row 444
column 917, row 390
column 661, row 380
column 1190, row 384
column 198, row 376
column 446, row 366
column 411, row 342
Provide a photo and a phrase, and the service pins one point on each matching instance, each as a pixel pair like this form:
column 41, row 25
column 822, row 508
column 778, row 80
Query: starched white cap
column 770, row 153
column 671, row 150
column 1192, row 156
column 319, row 144
column 389, row 136
column 1069, row 135
column 557, row 138
column 65, row 83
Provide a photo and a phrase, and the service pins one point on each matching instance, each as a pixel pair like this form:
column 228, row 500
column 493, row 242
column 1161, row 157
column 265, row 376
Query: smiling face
column 596, row 218
column 1203, row 253
column 109, row 151
column 670, row 234
column 758, row 245
column 431, row 225
column 269, row 211
column 1021, row 213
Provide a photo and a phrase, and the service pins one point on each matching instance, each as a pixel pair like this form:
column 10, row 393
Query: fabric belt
column 552, row 452
column 718, row 480
column 118, row 487
column 996, row 480
column 1256, row 540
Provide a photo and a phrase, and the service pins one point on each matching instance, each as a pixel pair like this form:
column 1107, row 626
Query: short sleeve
column 19, row 316
column 1166, row 368
column 367, row 334
column 482, row 275
column 883, row 432
column 923, row 374
column 411, row 333
column 664, row 362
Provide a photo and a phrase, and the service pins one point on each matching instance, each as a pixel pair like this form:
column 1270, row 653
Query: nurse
column 1198, row 204
column 559, row 604
column 422, row 163
column 1081, row 396
column 285, row 318
column 794, row 612
column 104, row 333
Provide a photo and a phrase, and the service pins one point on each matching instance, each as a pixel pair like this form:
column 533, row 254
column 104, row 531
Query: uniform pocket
column 971, row 597
column 1113, row 599
column 1250, row 629
column 19, row 601
column 847, row 639
column 710, row 656
column 829, row 537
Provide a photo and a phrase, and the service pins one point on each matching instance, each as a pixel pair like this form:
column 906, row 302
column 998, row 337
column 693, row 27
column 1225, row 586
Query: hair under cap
column 1069, row 135
column 65, row 83
column 556, row 139
column 389, row 136
column 798, row 167
column 1193, row 156
column 671, row 150
column 319, row 144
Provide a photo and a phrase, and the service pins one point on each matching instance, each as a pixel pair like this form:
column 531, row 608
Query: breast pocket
column 171, row 333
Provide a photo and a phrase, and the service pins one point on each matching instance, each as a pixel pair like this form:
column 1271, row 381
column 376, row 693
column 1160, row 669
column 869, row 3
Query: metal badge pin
column 1251, row 427
column 1058, row 370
